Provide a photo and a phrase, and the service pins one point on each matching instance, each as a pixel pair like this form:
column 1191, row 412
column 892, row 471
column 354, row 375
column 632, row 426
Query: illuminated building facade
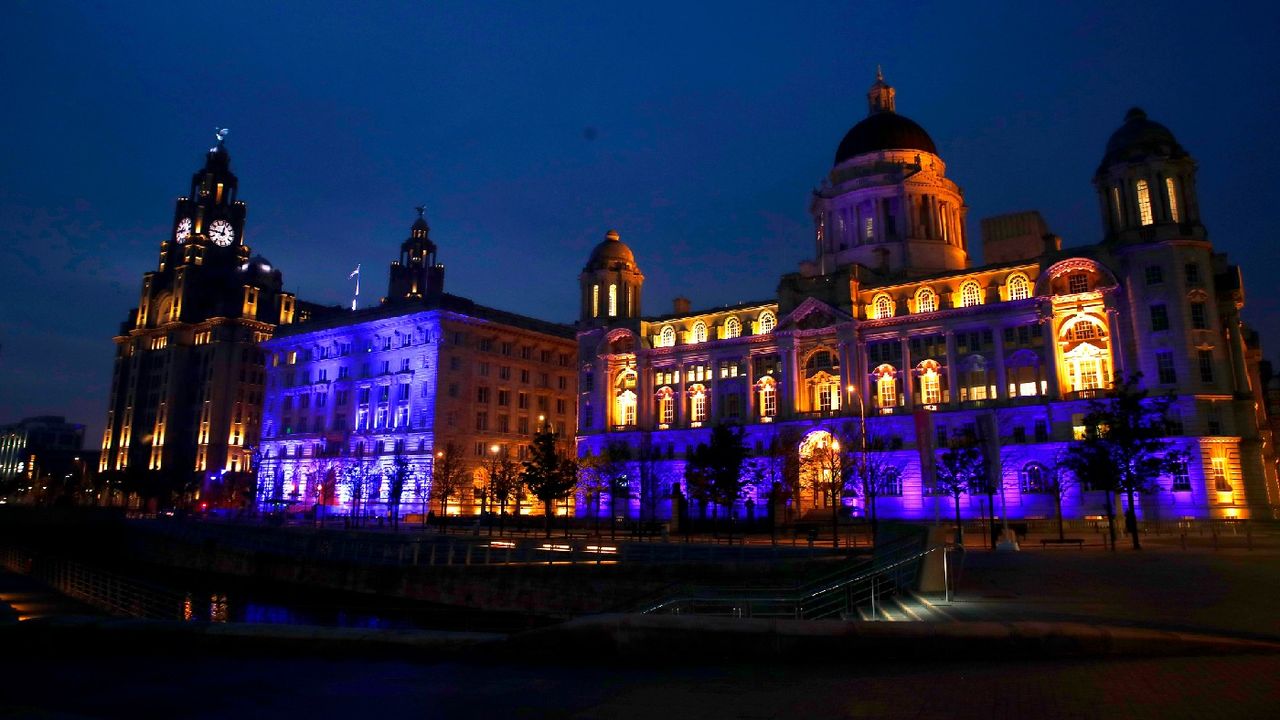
column 186, row 391
column 38, row 447
column 892, row 323
column 423, row 371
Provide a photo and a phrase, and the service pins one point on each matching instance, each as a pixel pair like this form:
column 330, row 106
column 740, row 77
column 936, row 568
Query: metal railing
column 838, row 595
column 107, row 591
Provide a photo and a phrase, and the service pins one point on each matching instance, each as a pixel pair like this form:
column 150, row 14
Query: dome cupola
column 883, row 128
column 610, row 283
column 1146, row 184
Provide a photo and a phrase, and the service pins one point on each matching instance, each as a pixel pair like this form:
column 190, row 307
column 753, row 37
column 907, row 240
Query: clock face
column 221, row 234
column 184, row 231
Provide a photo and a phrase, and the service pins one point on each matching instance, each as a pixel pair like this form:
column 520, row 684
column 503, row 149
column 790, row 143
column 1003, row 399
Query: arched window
column 1144, row 202
column 699, row 332
column 1035, row 479
column 926, row 300
column 733, row 328
column 930, row 383
column 1171, row 197
column 768, row 321
column 697, row 404
column 768, row 397
column 613, row 300
column 970, row 294
column 822, row 372
column 667, row 338
column 886, row 387
column 666, row 406
column 882, row 306
column 625, row 399
column 595, row 301
column 1019, row 287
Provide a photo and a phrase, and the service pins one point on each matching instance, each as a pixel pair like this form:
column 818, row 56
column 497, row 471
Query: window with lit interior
column 1019, row 287
column 926, row 300
column 625, row 399
column 699, row 332
column 886, row 387
column 767, row 322
column 1171, row 196
column 1144, row 202
column 667, row 338
column 733, row 328
column 698, row 404
column 882, row 307
column 970, row 294
column 768, row 397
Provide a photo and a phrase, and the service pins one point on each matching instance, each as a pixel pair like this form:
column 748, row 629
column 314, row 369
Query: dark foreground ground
column 146, row 685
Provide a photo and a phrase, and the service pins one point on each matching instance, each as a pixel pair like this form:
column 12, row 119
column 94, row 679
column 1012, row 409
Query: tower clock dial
column 221, row 234
column 184, row 231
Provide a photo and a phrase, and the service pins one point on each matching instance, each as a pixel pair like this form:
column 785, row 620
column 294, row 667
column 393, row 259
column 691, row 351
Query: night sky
column 696, row 131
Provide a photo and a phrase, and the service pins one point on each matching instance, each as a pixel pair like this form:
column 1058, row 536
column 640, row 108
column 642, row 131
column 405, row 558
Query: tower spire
column 880, row 98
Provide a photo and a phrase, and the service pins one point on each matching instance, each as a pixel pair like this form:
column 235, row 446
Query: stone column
column 1002, row 380
column 953, row 389
column 644, row 394
column 751, row 389
column 908, row 375
column 681, row 400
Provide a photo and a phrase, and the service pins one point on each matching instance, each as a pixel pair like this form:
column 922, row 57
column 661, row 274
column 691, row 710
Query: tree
column 697, row 477
column 447, row 476
column 873, row 475
column 829, row 472
column 398, row 476
column 354, row 476
column 961, row 469
column 650, row 469
column 613, row 469
column 592, row 484
column 1124, row 448
column 548, row 473
column 1060, row 482
column 504, row 485
column 725, row 456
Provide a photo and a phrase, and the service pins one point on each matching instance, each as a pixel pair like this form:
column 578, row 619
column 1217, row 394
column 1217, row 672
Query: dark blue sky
column 696, row 130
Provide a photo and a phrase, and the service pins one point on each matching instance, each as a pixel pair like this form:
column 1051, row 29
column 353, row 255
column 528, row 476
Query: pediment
column 812, row 314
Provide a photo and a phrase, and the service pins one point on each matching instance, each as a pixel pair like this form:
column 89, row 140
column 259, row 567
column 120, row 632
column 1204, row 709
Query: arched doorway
column 819, row 471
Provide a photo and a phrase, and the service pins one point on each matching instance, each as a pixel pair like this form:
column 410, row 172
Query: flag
column 354, row 273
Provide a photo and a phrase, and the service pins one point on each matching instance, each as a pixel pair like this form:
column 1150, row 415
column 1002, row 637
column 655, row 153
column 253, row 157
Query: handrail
column 801, row 596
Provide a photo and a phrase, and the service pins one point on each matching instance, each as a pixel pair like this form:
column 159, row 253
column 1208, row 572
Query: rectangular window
column 1077, row 283
column 1171, row 195
column 482, row 421
column 1042, row 430
column 1155, row 276
column 1192, row 271
column 482, row 394
column 595, row 301
column 1220, row 482
column 1181, row 478
column 504, row 397
column 1159, row 318
column 1206, row 366
column 1019, row 434
column 1164, row 366
column 868, row 228
column 1144, row 202
column 1199, row 318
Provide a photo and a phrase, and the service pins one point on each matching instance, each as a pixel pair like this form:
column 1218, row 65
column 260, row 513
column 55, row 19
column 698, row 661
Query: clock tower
column 187, row 389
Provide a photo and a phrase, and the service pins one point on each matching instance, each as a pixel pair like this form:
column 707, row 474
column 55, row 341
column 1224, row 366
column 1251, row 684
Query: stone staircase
column 907, row 606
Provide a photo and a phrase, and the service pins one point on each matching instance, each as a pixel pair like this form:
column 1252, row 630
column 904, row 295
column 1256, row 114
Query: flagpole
column 355, row 274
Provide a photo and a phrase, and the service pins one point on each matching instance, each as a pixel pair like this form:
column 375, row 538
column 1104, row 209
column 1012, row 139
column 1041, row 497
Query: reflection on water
column 314, row 609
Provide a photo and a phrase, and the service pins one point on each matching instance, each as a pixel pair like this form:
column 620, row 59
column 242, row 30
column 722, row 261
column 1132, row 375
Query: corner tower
column 610, row 284
column 887, row 204
column 416, row 274
column 1146, row 184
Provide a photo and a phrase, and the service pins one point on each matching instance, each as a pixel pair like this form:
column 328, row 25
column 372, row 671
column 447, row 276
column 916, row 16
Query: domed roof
column 884, row 131
column 610, row 250
column 1139, row 138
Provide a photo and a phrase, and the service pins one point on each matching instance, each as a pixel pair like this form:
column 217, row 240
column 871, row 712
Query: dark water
column 201, row 597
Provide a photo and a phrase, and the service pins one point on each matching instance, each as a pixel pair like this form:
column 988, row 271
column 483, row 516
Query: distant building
column 186, row 391
column 423, row 372
column 40, row 447
column 892, row 323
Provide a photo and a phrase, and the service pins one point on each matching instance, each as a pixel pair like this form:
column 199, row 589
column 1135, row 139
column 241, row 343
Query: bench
column 1078, row 542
